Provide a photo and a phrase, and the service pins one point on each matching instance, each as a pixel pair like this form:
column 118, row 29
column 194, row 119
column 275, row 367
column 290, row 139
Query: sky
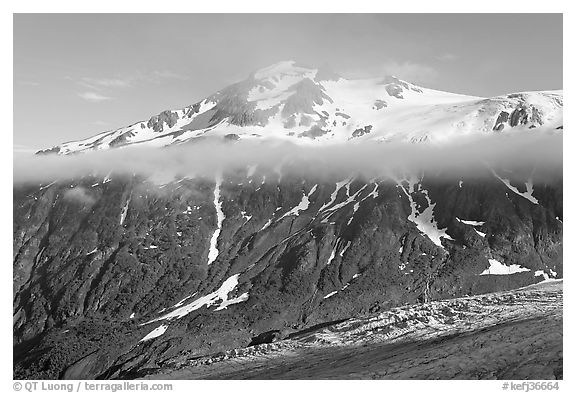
column 76, row 75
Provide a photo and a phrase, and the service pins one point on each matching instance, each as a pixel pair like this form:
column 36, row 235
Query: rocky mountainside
column 115, row 276
column 119, row 275
column 307, row 106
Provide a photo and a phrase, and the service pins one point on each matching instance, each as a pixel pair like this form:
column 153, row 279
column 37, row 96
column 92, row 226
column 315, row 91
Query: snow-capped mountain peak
column 288, row 101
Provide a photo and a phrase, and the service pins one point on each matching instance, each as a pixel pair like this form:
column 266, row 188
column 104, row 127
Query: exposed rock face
column 53, row 150
column 167, row 118
column 395, row 87
column 314, row 132
column 361, row 131
column 307, row 94
column 522, row 115
column 502, row 118
column 93, row 267
column 234, row 106
column 379, row 104
column 394, row 91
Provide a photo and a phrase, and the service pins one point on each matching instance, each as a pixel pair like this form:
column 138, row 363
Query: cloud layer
column 206, row 158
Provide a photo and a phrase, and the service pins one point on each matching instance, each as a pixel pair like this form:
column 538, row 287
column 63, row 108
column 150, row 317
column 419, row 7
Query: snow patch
column 480, row 233
column 469, row 222
column 553, row 273
column 424, row 221
column 498, row 268
column 160, row 330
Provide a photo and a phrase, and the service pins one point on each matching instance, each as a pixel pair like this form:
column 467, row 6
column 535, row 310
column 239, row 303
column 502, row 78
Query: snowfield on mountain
column 310, row 106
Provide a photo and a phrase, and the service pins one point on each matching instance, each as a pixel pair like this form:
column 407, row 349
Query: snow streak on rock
column 373, row 194
column 469, row 222
column 266, row 225
column 345, row 249
column 333, row 196
column 480, row 233
column 333, row 254
column 48, row 185
column 213, row 253
column 529, row 189
column 125, row 211
column 221, row 294
column 160, row 330
column 303, row 205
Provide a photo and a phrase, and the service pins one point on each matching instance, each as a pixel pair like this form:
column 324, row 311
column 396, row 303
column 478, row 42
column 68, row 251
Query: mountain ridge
column 303, row 105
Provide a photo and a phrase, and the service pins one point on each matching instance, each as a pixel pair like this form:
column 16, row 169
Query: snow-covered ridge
column 304, row 105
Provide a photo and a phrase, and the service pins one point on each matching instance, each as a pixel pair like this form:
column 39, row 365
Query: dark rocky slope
column 95, row 259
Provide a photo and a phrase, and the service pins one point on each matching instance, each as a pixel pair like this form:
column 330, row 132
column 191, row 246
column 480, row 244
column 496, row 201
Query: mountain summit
column 287, row 101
